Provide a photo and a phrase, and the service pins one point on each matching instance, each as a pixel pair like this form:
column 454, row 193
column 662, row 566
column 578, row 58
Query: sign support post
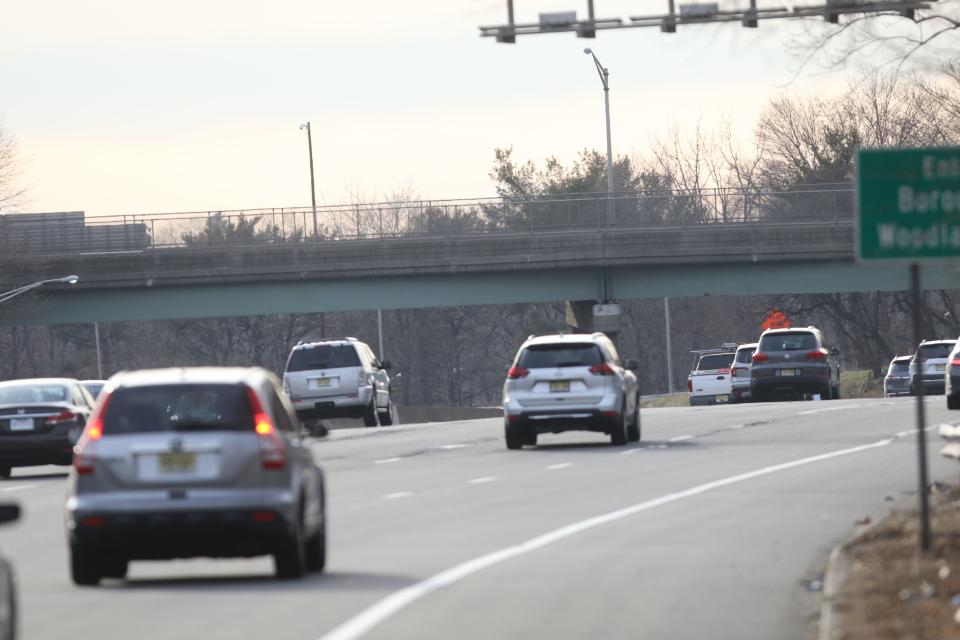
column 915, row 303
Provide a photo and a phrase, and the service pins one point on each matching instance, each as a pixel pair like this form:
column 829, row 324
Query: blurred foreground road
column 712, row 549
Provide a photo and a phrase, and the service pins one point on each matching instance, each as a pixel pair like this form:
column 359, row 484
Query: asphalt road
column 711, row 527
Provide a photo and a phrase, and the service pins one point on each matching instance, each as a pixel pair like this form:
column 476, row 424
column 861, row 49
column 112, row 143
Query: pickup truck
column 710, row 381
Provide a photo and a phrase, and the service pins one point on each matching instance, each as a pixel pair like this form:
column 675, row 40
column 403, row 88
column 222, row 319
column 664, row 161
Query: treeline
column 458, row 356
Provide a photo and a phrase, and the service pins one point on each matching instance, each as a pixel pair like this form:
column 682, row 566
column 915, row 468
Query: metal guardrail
column 64, row 233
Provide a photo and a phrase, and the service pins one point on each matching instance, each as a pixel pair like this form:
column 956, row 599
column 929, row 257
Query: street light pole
column 605, row 79
column 313, row 189
column 13, row 293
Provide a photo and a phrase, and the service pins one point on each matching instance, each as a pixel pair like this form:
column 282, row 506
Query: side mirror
column 631, row 364
column 385, row 365
column 9, row 512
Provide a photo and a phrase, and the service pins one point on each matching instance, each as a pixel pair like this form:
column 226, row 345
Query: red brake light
column 737, row 371
column 723, row 370
column 955, row 362
column 64, row 416
column 273, row 453
column 82, row 460
column 602, row 369
column 689, row 385
column 760, row 357
column 817, row 355
column 517, row 372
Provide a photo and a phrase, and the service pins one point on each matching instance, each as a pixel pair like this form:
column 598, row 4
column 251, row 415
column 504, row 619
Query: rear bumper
column 933, row 384
column 703, row 400
column 560, row 421
column 808, row 383
column 163, row 535
column 54, row 447
column 334, row 406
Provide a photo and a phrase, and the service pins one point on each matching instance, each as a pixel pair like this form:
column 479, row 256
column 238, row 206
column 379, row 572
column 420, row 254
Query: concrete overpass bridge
column 431, row 254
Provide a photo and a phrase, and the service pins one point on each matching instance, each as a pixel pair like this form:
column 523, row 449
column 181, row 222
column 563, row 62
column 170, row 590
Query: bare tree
column 12, row 191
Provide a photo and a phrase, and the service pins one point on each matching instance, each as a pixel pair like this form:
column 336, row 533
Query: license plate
column 177, row 462
column 21, row 424
column 722, row 398
column 559, row 386
column 939, row 367
column 321, row 382
column 787, row 372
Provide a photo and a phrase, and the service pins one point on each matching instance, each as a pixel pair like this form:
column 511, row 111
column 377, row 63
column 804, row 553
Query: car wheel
column 5, row 471
column 513, row 437
column 115, row 568
column 633, row 429
column 389, row 416
column 84, row 569
column 370, row 415
column 530, row 437
column 953, row 402
column 317, row 548
column 289, row 560
column 835, row 393
column 618, row 431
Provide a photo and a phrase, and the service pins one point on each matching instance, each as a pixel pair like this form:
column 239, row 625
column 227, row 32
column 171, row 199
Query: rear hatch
column 560, row 376
column 790, row 354
column 935, row 357
column 173, row 436
column 323, row 370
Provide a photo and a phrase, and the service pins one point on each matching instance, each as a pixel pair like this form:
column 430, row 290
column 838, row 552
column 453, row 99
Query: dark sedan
column 40, row 421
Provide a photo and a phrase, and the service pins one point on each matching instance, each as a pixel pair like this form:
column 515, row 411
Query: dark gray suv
column 794, row 363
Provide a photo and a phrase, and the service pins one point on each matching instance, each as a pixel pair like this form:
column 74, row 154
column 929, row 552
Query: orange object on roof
column 776, row 319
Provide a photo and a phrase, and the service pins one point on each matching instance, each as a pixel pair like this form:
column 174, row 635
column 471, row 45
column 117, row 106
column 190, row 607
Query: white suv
column 570, row 382
column 339, row 379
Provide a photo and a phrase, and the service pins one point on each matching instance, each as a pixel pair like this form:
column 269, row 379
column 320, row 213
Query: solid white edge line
column 380, row 611
column 560, row 465
column 397, row 494
column 482, row 480
column 387, row 460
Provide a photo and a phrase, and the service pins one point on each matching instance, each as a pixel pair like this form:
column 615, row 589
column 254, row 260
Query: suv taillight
column 689, row 385
column 955, row 362
column 82, row 458
column 273, row 451
column 817, row 355
column 737, row 371
column 602, row 369
column 760, row 357
column 516, row 372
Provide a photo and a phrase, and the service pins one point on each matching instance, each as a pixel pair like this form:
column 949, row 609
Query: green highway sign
column 908, row 204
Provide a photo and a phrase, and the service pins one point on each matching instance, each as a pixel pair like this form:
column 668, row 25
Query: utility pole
column 313, row 189
column 605, row 79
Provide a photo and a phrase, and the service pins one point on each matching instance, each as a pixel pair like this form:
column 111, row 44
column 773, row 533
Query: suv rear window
column 900, row 367
column 324, row 356
column 178, row 407
column 715, row 361
column 930, row 351
column 744, row 355
column 794, row 341
column 546, row 356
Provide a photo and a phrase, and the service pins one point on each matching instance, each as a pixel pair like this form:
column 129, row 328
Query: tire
column 530, row 437
column 618, row 432
column 317, row 548
column 633, row 429
column 953, row 402
column 84, row 569
column 5, row 471
column 513, row 437
column 388, row 417
column 835, row 393
column 370, row 415
column 289, row 560
column 115, row 568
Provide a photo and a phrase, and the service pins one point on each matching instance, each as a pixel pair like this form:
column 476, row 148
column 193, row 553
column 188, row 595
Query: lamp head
column 70, row 279
column 588, row 50
column 305, row 126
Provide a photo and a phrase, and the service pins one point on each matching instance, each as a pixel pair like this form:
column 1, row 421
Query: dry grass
column 893, row 591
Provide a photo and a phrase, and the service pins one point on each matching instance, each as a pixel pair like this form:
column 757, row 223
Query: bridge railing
column 72, row 233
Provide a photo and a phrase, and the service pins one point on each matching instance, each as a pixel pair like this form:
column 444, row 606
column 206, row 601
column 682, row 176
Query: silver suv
column 794, row 363
column 896, row 382
column 740, row 372
column 570, row 382
column 180, row 463
column 935, row 354
column 339, row 379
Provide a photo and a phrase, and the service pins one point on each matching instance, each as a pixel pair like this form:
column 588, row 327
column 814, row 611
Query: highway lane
column 731, row 561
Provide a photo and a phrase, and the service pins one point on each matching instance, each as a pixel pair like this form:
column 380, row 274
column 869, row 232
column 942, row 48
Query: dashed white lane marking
column 380, row 611
column 19, row 487
column 680, row 438
column 482, row 480
column 451, row 446
column 386, row 460
column 630, row 452
column 910, row 432
column 562, row 465
column 397, row 494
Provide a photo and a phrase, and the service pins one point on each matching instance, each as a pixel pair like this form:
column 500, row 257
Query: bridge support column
column 588, row 316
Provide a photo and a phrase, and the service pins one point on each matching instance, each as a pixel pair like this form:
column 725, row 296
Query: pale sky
column 193, row 105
